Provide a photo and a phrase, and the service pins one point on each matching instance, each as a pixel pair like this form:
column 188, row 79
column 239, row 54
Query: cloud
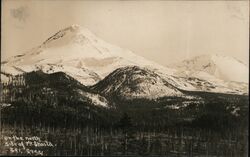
column 20, row 13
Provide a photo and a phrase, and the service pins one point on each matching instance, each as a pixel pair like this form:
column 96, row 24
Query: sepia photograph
column 124, row 78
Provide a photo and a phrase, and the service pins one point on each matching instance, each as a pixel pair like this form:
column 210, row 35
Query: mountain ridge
column 213, row 67
column 82, row 55
column 134, row 82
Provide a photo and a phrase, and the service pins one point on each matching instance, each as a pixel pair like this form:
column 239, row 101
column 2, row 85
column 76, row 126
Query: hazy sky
column 163, row 31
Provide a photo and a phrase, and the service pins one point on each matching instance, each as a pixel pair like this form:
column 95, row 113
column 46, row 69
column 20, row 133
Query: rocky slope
column 135, row 82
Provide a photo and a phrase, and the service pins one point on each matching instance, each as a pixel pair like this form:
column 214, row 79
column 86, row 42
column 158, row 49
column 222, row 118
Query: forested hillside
column 79, row 120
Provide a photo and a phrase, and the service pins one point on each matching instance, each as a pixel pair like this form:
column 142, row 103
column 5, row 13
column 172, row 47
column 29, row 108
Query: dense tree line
column 50, row 106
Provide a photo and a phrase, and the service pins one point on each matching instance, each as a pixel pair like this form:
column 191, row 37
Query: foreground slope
column 53, row 100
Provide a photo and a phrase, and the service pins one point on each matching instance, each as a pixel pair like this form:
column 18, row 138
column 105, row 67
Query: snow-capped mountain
column 85, row 57
column 135, row 82
column 212, row 67
column 77, row 52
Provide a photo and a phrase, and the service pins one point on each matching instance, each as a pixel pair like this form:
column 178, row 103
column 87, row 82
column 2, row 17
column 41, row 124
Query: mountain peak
column 214, row 66
column 72, row 34
column 75, row 26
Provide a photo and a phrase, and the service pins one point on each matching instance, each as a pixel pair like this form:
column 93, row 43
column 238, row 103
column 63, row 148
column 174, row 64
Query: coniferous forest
column 44, row 114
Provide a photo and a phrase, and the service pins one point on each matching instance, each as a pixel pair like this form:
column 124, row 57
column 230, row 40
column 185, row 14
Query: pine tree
column 126, row 126
column 125, row 123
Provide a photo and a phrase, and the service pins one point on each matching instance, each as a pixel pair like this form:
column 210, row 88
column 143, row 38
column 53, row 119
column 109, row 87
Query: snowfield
column 77, row 52
column 213, row 67
column 82, row 55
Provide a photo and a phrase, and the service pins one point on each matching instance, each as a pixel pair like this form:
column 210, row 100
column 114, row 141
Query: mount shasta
column 80, row 54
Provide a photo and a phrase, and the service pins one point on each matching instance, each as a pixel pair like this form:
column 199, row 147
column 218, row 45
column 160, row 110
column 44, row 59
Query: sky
column 162, row 31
